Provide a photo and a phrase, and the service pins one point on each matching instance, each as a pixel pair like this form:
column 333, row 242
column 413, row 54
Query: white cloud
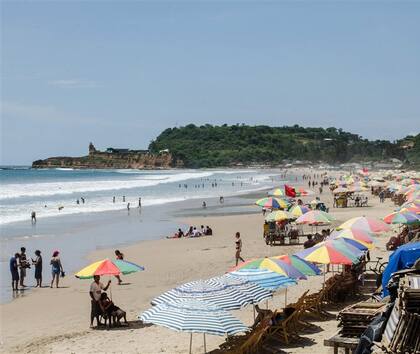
column 73, row 83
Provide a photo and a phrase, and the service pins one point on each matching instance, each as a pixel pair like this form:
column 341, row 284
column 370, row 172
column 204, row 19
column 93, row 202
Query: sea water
column 79, row 228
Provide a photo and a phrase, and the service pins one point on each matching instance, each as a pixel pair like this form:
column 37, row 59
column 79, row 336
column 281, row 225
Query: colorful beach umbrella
column 340, row 190
column 273, row 203
column 299, row 210
column 278, row 192
column 365, row 223
column 330, row 252
column 279, row 215
column 354, row 234
column 108, row 267
column 315, row 217
column 273, row 264
column 406, row 218
column 265, row 278
column 300, row 264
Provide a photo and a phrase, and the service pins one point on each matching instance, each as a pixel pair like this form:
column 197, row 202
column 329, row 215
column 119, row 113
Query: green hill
column 227, row 145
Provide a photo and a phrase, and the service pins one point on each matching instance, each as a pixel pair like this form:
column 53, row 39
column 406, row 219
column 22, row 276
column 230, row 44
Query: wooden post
column 190, row 341
column 205, row 350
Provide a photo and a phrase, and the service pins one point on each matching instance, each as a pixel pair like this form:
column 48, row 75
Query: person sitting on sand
column 95, row 295
column 262, row 315
column 111, row 312
column 177, row 234
column 195, row 233
column 309, row 243
column 209, row 231
column 189, row 232
column 56, row 268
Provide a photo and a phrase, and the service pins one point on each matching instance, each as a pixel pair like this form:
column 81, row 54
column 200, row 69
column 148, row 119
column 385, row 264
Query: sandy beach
column 57, row 320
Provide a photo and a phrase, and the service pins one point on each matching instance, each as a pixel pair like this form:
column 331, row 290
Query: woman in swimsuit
column 56, row 268
column 238, row 246
column 120, row 256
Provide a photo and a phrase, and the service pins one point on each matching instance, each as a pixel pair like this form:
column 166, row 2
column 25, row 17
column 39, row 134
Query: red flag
column 290, row 191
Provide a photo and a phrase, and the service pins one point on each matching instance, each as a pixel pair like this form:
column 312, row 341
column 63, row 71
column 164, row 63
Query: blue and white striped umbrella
column 227, row 294
column 265, row 278
column 194, row 316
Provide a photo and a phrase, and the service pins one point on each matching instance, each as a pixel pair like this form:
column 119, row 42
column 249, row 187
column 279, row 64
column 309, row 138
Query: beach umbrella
column 217, row 292
column 330, row 252
column 273, row 203
column 278, row 192
column 279, row 215
column 370, row 224
column 360, row 245
column 315, row 217
column 354, row 234
column 305, row 267
column 406, row 218
column 194, row 316
column 265, row 278
column 273, row 264
column 299, row 210
column 340, row 190
column 108, row 267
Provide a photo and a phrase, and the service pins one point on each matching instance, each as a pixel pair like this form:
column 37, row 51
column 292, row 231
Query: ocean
column 76, row 228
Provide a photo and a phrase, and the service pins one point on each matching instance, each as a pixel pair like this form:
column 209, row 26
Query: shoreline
column 168, row 263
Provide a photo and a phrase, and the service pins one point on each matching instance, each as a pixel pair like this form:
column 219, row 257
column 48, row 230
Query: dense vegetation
column 211, row 146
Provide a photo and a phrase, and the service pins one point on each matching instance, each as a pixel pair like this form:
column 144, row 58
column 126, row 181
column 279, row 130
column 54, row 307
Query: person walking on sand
column 14, row 270
column 37, row 262
column 119, row 256
column 238, row 247
column 95, row 295
column 56, row 268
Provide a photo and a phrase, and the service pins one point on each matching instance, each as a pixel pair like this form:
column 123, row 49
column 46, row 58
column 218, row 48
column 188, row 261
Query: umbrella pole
column 285, row 298
column 190, row 341
column 205, row 350
column 110, row 290
column 323, row 284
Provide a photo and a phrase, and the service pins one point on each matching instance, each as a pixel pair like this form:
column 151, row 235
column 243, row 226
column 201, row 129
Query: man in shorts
column 95, row 294
column 14, row 271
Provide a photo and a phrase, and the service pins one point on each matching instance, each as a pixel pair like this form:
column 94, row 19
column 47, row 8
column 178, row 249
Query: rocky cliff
column 113, row 159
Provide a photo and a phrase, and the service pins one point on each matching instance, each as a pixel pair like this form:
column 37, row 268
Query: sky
column 117, row 73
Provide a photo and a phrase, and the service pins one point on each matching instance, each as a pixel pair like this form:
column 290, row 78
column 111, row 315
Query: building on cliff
column 112, row 158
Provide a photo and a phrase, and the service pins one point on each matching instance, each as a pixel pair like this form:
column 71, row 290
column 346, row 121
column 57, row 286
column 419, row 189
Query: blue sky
column 117, row 73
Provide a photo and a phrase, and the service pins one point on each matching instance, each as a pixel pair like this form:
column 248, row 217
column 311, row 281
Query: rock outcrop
column 112, row 158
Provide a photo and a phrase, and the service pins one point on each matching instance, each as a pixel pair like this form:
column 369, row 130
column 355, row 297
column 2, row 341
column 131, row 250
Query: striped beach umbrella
column 272, row 203
column 279, row 215
column 265, row 278
column 273, row 264
column 406, row 218
column 299, row 210
column 370, row 224
column 194, row 316
column 315, row 217
column 306, row 268
column 217, row 292
column 108, row 267
column 354, row 234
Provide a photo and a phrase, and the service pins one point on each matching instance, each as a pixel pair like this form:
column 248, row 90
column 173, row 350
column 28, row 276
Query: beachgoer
column 262, row 315
column 77, row 202
column 37, row 262
column 221, row 200
column 23, row 264
column 139, row 202
column 56, row 268
column 113, row 199
column 309, row 243
column 195, row 232
column 204, row 205
column 128, row 206
column 123, row 198
column 14, row 270
column 111, row 311
column 82, row 199
column 209, row 231
column 238, row 248
column 382, row 196
column 95, row 295
column 33, row 217
column 203, row 230
column 120, row 256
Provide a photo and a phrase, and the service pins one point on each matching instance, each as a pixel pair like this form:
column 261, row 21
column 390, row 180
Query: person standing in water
column 33, row 217
column 113, row 199
column 23, row 264
column 238, row 247
column 14, row 270
column 139, row 202
column 37, row 262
